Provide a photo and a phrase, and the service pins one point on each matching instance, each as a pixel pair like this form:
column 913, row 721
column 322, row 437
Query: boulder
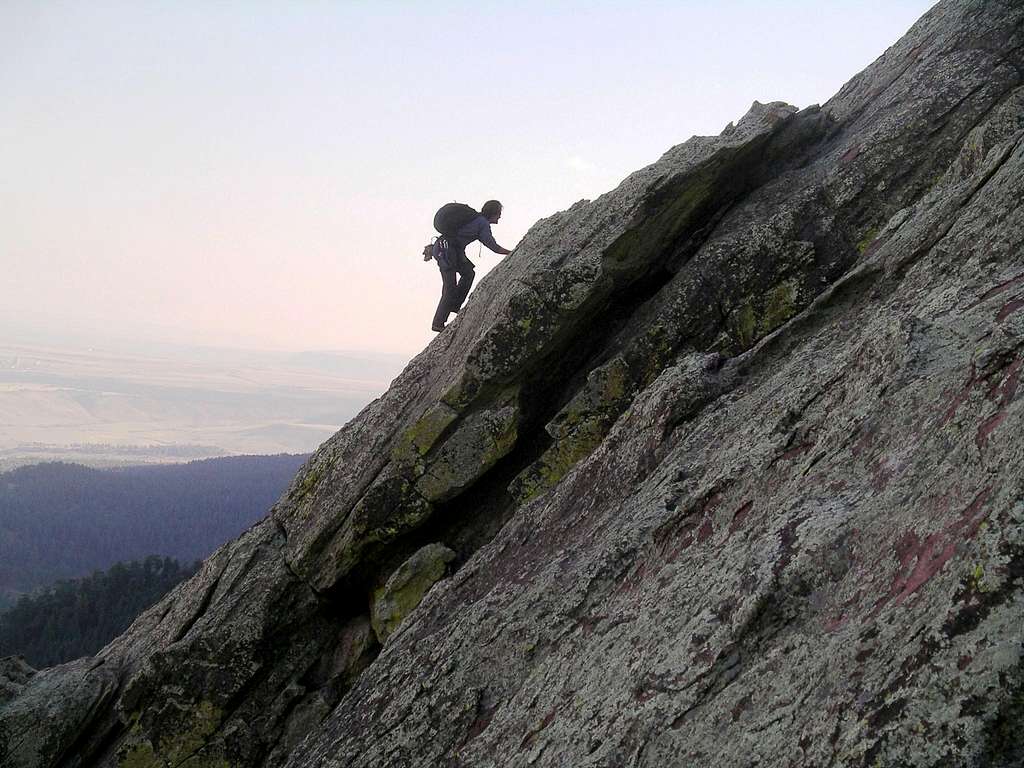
column 15, row 672
column 406, row 587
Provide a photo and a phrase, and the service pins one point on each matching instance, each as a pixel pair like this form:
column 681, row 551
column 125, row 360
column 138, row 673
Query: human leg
column 467, row 274
column 449, row 289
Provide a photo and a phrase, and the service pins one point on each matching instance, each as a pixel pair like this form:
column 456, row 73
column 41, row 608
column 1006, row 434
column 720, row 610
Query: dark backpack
column 451, row 217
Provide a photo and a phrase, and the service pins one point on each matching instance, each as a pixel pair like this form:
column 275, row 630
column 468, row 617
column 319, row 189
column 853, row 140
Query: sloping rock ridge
column 723, row 468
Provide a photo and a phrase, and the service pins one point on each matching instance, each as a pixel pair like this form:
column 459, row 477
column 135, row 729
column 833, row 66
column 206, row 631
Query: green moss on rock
column 556, row 462
column 745, row 326
column 388, row 508
column 867, row 239
column 478, row 443
column 758, row 316
column 418, row 439
column 184, row 741
column 460, row 394
column 780, row 305
column 405, row 588
column 306, row 483
column 604, row 391
column 579, row 427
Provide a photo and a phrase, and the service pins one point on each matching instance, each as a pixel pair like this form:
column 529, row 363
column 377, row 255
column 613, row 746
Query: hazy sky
column 264, row 174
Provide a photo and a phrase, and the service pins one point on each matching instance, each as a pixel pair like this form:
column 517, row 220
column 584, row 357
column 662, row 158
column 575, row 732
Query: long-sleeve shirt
column 477, row 229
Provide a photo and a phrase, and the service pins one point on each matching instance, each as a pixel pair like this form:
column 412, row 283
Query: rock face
column 730, row 460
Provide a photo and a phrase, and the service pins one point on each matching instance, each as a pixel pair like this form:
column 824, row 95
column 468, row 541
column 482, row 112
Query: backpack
column 450, row 217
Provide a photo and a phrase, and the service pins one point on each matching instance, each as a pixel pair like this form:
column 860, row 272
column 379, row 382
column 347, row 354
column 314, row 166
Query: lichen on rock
column 480, row 440
column 418, row 439
column 405, row 588
column 184, row 743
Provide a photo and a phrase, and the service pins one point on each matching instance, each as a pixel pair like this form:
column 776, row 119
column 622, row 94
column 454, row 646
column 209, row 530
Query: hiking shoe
column 437, row 328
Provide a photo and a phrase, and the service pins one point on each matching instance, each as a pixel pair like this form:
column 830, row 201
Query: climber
column 460, row 225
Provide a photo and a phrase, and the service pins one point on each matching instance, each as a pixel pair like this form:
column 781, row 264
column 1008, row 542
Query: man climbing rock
column 459, row 226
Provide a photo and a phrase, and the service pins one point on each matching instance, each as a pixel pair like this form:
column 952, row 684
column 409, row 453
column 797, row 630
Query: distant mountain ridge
column 61, row 521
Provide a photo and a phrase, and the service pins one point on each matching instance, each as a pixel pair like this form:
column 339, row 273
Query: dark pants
column 453, row 292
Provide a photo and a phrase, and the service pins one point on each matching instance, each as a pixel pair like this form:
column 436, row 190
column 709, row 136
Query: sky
column 264, row 174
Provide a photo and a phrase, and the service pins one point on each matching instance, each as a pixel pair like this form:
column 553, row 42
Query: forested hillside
column 78, row 617
column 62, row 521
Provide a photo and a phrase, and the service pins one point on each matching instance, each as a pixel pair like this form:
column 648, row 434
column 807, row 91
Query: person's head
column 491, row 211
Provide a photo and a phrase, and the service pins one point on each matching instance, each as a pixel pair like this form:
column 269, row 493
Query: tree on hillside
column 78, row 617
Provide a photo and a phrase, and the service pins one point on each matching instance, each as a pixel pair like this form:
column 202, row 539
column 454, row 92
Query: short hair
column 490, row 208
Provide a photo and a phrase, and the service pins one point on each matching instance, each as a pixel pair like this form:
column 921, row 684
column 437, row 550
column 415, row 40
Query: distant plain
column 110, row 408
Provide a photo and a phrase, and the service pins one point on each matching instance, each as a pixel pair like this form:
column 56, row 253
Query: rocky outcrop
column 14, row 673
column 729, row 460
column 406, row 587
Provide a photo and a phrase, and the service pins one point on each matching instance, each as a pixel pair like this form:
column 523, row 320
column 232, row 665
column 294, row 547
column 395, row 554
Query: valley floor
column 107, row 409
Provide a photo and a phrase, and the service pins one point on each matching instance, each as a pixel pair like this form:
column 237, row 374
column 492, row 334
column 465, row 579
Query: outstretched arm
column 487, row 238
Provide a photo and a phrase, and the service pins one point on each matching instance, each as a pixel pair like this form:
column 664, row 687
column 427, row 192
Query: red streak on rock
column 863, row 442
column 974, row 515
column 960, row 398
column 633, row 581
column 705, row 531
column 789, row 544
column 792, row 453
column 849, row 155
column 836, row 623
column 589, row 623
column 481, row 723
column 673, row 548
column 706, row 657
column 939, row 547
column 1009, row 308
column 963, row 662
column 740, row 707
column 929, row 556
column 1009, row 388
column 1013, row 281
column 907, row 548
column 643, row 695
column 987, row 428
column 882, row 475
column 531, row 736
column 739, row 516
